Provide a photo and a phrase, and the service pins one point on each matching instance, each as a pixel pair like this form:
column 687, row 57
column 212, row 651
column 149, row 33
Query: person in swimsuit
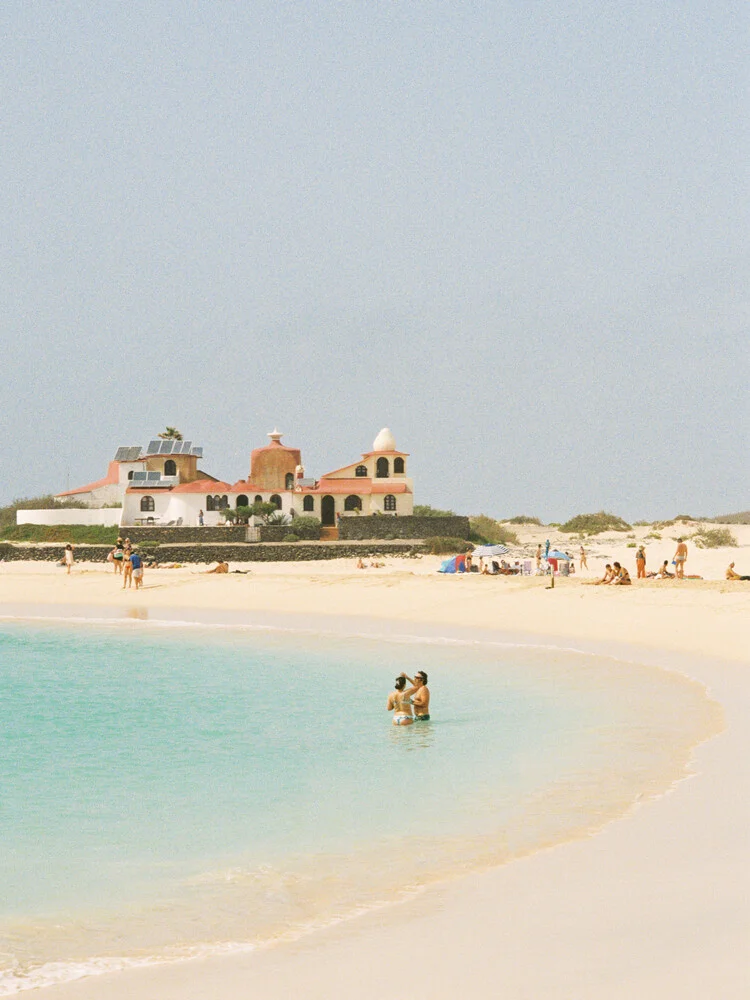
column 732, row 574
column 399, row 702
column 640, row 563
column 680, row 558
column 68, row 557
column 117, row 555
column 608, row 575
column 621, row 577
column 420, row 696
column 127, row 566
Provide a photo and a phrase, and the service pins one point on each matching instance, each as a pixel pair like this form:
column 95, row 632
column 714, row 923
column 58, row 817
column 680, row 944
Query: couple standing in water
column 410, row 704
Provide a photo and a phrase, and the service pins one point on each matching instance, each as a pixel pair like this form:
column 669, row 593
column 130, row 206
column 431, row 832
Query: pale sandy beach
column 656, row 905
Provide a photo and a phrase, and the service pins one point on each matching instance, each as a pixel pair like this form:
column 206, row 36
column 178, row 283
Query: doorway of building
column 328, row 512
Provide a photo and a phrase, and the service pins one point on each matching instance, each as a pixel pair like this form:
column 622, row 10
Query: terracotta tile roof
column 202, row 486
column 112, row 477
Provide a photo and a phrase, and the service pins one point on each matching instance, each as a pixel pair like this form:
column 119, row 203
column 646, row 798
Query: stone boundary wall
column 410, row 526
column 196, row 535
column 221, row 552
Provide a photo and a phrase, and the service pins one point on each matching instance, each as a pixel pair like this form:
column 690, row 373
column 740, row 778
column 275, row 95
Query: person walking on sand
column 680, row 558
column 136, row 563
column 420, row 696
column 582, row 561
column 68, row 558
column 640, row 563
column 539, row 556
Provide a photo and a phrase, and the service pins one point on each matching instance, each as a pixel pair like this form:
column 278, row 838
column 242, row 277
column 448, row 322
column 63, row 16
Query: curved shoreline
column 529, row 925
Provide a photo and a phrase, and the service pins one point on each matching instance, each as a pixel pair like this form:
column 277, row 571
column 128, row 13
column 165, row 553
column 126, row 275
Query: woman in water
column 400, row 704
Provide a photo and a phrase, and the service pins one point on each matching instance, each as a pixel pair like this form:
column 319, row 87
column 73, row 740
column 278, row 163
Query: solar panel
column 153, row 476
column 165, row 447
column 198, row 452
column 127, row 453
column 186, row 446
column 139, row 477
column 153, row 447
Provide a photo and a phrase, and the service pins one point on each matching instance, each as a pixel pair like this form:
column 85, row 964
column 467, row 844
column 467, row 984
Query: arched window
column 308, row 503
column 289, row 481
column 360, row 471
column 170, row 468
column 353, row 503
column 389, row 502
column 242, row 501
column 258, row 498
column 398, row 465
column 276, row 501
column 210, row 503
column 381, row 468
column 147, row 503
column 130, row 474
column 223, row 503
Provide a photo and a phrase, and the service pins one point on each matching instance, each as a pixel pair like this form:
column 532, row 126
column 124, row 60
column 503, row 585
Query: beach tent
column 557, row 554
column 490, row 550
column 456, row 564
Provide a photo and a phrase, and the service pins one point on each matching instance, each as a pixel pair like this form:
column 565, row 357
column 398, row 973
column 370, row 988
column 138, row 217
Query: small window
column 360, row 471
column 381, row 468
column 147, row 503
column 276, row 501
column 258, row 499
column 389, row 502
column 398, row 465
column 170, row 468
column 308, row 503
column 289, row 481
column 130, row 474
column 223, row 503
column 210, row 503
column 242, row 501
column 353, row 503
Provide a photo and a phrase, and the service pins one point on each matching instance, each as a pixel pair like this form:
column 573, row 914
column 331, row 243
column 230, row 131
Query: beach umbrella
column 491, row 550
column 557, row 554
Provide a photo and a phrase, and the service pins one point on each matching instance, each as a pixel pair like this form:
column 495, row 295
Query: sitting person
column 608, row 575
column 361, row 563
column 664, row 573
column 732, row 575
column 621, row 577
column 222, row 567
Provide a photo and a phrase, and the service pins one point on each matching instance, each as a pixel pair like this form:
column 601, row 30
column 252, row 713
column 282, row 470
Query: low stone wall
column 182, row 535
column 222, row 552
column 410, row 526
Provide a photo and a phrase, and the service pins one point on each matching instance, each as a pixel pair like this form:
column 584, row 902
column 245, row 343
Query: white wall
column 106, row 516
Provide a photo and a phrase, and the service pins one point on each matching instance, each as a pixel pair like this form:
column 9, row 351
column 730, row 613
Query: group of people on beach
column 410, row 704
column 127, row 561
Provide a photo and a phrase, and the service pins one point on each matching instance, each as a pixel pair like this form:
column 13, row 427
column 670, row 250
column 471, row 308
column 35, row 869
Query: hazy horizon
column 515, row 234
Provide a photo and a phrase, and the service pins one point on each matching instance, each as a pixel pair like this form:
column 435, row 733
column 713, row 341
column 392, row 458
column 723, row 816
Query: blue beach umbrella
column 557, row 554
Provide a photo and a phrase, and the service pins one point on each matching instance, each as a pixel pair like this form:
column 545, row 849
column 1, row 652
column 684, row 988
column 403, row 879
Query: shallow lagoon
column 173, row 791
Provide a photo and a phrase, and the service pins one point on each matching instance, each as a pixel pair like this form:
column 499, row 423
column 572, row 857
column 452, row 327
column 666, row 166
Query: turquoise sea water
column 170, row 792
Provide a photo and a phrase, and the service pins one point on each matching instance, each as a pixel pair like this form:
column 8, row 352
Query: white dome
column 384, row 441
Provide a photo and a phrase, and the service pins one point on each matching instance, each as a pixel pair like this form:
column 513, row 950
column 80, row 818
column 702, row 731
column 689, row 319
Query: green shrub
column 742, row 518
column 653, row 534
column 307, row 528
column 525, row 519
column 631, row 545
column 290, row 538
column 424, row 510
column 595, row 524
column 77, row 534
column 485, row 530
column 440, row 546
column 641, row 524
column 714, row 538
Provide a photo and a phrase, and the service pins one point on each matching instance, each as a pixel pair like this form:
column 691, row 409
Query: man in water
column 420, row 696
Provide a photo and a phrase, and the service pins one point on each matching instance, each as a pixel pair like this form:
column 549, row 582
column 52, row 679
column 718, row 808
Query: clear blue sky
column 514, row 232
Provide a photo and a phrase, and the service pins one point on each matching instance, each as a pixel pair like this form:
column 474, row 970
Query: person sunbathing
column 222, row 567
column 608, row 575
column 732, row 575
column 664, row 573
column 621, row 577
